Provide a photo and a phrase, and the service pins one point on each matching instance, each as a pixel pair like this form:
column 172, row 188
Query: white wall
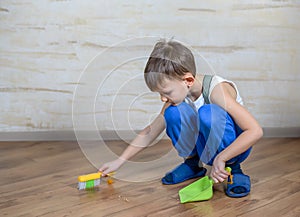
column 46, row 45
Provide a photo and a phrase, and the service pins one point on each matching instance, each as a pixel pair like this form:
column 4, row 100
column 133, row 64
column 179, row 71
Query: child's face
column 173, row 91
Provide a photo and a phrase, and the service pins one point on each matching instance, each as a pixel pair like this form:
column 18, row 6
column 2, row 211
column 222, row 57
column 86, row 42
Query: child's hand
column 218, row 172
column 111, row 166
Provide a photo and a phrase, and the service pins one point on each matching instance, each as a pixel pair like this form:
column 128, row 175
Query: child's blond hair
column 169, row 59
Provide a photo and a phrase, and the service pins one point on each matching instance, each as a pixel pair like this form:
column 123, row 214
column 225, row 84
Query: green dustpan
column 199, row 190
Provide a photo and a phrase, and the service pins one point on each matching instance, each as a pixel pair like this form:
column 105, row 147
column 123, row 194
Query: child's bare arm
column 143, row 139
column 225, row 96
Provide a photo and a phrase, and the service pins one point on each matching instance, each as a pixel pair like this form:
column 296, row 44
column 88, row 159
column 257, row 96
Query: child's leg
column 218, row 131
column 182, row 128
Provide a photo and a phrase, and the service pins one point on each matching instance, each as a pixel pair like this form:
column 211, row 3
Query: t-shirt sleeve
column 217, row 80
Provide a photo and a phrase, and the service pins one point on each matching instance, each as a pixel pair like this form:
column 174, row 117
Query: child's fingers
column 104, row 173
column 218, row 179
column 103, row 169
column 106, row 170
column 219, row 175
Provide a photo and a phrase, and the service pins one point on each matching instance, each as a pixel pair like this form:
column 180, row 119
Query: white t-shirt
column 214, row 82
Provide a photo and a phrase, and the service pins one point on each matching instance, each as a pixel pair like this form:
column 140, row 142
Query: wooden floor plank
column 41, row 179
column 290, row 207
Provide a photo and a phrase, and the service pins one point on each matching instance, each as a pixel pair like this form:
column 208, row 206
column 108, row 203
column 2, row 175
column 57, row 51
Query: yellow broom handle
column 92, row 176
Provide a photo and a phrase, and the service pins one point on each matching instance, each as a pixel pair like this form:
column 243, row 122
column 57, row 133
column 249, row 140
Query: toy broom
column 92, row 180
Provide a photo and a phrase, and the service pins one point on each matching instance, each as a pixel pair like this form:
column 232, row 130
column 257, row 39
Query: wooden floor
column 40, row 178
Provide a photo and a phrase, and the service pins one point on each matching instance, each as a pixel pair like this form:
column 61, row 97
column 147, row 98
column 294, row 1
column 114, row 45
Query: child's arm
column 143, row 139
column 225, row 96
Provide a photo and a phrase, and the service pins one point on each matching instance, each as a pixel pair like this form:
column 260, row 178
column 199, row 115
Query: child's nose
column 163, row 98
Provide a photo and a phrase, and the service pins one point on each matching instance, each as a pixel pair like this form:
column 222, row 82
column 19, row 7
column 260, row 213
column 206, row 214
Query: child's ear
column 189, row 79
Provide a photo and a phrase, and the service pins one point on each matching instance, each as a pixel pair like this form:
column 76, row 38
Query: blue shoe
column 182, row 173
column 240, row 187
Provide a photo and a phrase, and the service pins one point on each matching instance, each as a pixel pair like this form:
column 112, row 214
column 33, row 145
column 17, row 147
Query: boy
column 205, row 124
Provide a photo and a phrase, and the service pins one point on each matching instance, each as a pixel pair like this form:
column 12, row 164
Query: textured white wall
column 46, row 45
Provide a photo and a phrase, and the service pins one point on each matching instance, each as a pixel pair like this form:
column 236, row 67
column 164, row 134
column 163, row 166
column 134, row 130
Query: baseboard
column 112, row 135
column 276, row 132
column 64, row 135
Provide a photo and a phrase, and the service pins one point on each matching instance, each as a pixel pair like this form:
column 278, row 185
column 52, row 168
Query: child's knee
column 177, row 114
column 172, row 114
column 210, row 114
